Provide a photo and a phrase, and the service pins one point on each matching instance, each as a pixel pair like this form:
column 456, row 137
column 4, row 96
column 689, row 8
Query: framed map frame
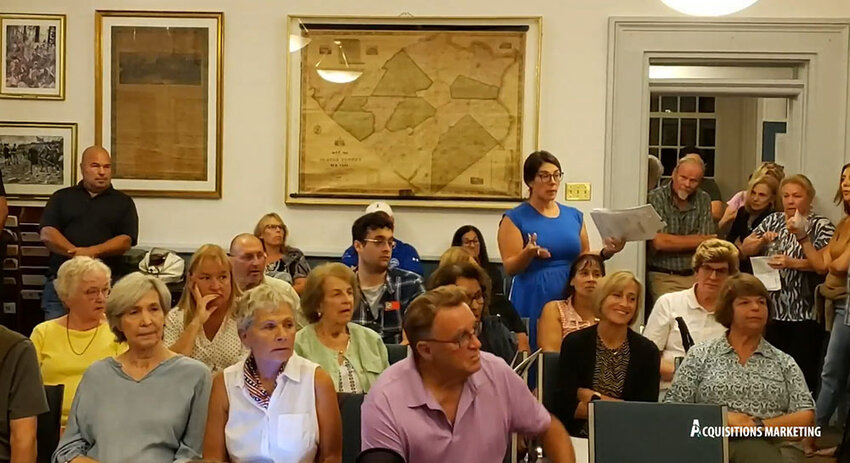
column 418, row 111
column 158, row 100
column 32, row 56
column 37, row 158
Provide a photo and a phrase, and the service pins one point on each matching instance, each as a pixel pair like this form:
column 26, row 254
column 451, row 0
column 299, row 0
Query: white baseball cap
column 379, row 206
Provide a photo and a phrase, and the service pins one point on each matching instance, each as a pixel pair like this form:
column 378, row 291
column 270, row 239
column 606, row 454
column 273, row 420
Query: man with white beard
column 686, row 210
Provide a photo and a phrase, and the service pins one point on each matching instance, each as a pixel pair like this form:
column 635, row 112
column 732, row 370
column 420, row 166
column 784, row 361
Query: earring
column 319, row 314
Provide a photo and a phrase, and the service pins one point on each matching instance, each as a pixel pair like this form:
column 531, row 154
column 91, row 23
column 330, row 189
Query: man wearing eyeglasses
column 404, row 255
column 385, row 292
column 450, row 401
column 249, row 263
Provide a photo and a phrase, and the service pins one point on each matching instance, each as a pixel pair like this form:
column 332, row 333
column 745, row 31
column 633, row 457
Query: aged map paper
column 436, row 113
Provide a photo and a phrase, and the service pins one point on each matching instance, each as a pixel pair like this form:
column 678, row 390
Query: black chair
column 50, row 423
column 349, row 409
column 380, row 456
column 396, row 352
column 547, row 379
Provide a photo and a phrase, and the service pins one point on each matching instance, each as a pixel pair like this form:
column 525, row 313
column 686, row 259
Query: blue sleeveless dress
column 544, row 279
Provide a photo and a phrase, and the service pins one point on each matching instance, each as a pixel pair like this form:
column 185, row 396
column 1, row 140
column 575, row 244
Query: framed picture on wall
column 32, row 56
column 37, row 158
column 420, row 111
column 158, row 89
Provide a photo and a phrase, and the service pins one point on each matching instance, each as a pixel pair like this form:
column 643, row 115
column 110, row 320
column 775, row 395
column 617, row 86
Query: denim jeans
column 836, row 368
column 50, row 303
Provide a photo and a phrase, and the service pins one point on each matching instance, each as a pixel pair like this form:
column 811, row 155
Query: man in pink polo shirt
column 450, row 401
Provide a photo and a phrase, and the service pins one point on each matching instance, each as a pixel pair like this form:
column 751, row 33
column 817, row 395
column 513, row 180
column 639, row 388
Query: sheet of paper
column 639, row 223
column 764, row 272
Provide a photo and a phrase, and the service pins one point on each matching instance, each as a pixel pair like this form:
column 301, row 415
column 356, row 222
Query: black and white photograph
column 36, row 158
column 32, row 48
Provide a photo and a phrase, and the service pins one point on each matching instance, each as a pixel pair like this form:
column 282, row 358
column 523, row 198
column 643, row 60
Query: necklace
column 68, row 335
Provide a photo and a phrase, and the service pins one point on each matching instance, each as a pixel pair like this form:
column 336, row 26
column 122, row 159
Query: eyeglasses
column 547, row 177
column 93, row 293
column 380, row 242
column 463, row 339
column 472, row 242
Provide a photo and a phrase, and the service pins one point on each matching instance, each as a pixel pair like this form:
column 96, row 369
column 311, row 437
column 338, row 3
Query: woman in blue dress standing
column 540, row 238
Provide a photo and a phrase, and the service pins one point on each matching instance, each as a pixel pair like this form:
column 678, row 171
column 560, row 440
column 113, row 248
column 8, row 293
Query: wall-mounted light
column 708, row 7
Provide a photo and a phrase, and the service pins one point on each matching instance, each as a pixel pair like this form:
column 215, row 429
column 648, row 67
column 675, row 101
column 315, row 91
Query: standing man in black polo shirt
column 88, row 219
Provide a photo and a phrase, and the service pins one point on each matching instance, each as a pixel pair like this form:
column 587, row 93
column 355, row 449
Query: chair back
column 547, row 379
column 396, row 352
column 50, row 423
column 349, row 409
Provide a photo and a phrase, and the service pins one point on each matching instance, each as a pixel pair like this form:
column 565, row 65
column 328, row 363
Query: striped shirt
column 695, row 219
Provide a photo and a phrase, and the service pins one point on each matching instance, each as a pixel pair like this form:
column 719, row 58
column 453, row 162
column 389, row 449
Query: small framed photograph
column 32, row 56
column 37, row 158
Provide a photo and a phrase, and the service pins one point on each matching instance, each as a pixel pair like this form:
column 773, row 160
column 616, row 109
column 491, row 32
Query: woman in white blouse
column 202, row 325
column 273, row 406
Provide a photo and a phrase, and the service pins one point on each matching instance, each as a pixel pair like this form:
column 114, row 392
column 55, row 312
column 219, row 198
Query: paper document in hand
column 764, row 272
column 639, row 223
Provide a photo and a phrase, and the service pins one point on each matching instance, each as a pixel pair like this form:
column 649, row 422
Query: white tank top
column 286, row 432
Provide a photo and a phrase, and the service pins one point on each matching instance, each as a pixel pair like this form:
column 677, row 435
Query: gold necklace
column 68, row 335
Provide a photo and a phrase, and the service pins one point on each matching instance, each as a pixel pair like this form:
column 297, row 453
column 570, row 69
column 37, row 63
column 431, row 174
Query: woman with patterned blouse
column 607, row 361
column 273, row 406
column 352, row 354
column 793, row 328
column 760, row 385
column 575, row 311
column 283, row 262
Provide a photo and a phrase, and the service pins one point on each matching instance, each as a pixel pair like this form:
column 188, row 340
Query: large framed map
column 423, row 111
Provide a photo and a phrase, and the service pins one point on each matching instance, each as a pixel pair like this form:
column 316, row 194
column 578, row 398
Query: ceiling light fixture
column 708, row 7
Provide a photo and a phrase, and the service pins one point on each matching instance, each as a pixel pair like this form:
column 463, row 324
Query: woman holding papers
column 794, row 329
column 540, row 239
column 833, row 259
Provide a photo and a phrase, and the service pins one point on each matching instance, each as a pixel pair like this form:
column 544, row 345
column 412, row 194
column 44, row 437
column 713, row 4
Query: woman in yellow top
column 66, row 346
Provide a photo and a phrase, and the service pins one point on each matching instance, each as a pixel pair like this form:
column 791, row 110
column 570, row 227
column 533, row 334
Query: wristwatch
column 595, row 397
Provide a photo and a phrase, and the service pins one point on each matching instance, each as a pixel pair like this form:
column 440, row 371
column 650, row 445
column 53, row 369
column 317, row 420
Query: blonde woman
column 607, row 361
column 68, row 345
column 772, row 169
column 762, row 200
column 202, row 324
column 283, row 261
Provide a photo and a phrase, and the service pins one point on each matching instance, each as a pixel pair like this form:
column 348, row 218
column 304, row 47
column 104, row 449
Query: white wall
column 572, row 113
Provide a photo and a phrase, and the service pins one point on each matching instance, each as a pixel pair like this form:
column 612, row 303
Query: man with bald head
column 686, row 210
column 249, row 265
column 91, row 219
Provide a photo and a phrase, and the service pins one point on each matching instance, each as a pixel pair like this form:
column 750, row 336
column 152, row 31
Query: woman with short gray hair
column 67, row 345
column 162, row 396
column 273, row 405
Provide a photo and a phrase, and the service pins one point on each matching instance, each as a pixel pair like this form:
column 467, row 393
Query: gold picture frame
column 32, row 56
column 37, row 158
column 351, row 127
column 145, row 61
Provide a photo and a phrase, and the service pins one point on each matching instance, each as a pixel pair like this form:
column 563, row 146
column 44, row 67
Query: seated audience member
column 738, row 199
column 22, row 398
column 282, row 261
column 470, row 238
column 494, row 336
column 404, row 256
column 714, row 261
column 574, row 312
column 794, row 328
column 351, row 354
column 687, row 212
column 146, row 405
column 385, row 292
column 761, row 385
column 272, row 406
column 249, row 259
column 66, row 346
column 450, row 402
column 762, row 200
column 607, row 361
column 202, row 324
column 499, row 304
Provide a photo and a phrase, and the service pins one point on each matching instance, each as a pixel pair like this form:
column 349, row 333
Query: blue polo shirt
column 404, row 257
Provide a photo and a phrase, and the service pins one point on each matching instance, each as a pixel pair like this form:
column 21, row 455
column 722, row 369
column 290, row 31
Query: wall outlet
column 578, row 191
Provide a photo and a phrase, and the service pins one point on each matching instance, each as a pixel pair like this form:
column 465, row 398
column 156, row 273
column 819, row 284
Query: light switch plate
column 578, row 191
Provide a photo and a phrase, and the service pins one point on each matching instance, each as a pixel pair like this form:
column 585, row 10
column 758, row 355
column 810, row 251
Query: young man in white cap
column 404, row 255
